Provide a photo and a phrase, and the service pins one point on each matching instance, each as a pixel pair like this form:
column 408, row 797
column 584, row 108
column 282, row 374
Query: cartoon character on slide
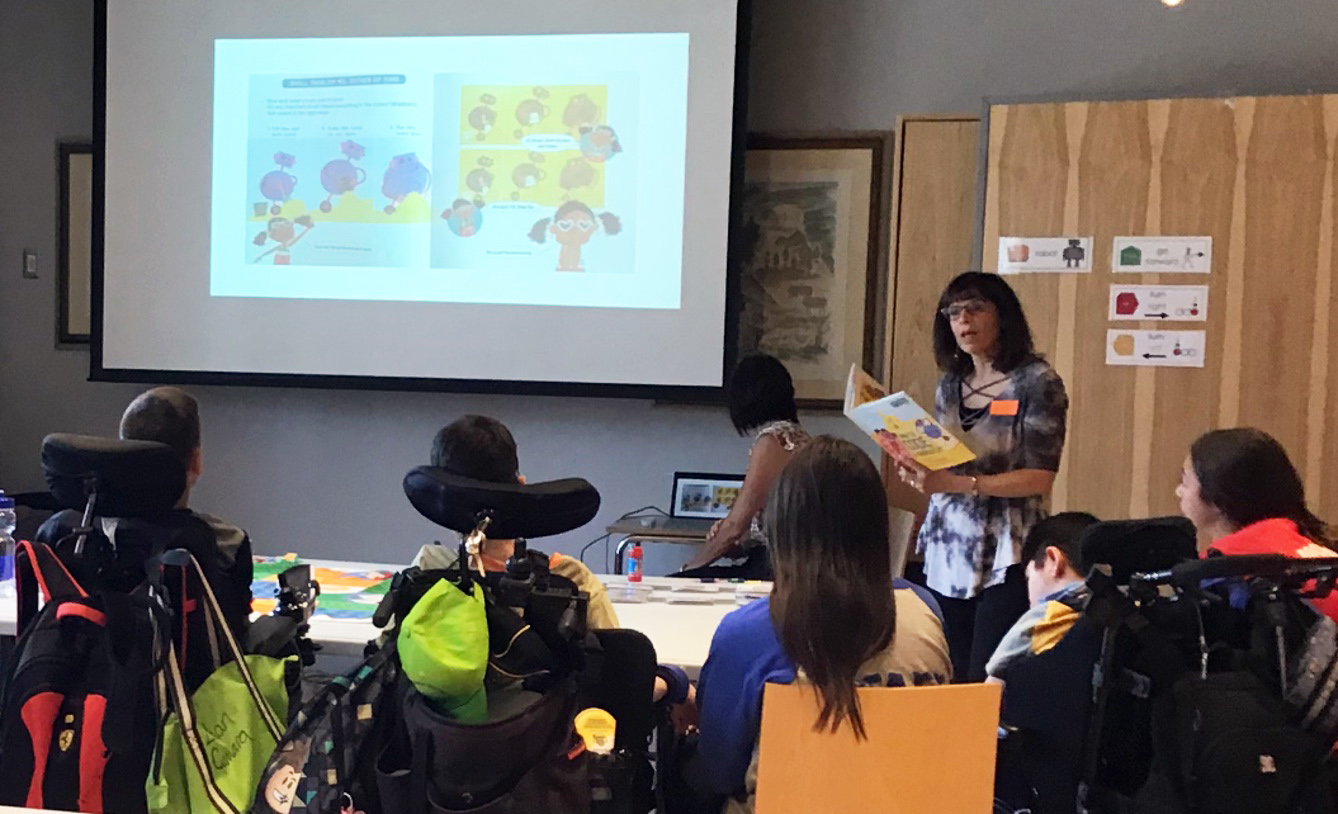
column 464, row 217
column 527, row 175
column 277, row 185
column 531, row 112
column 405, row 176
column 581, row 112
column 283, row 232
column 483, row 116
column 599, row 143
column 572, row 226
column 577, row 174
column 342, row 175
column 479, row 180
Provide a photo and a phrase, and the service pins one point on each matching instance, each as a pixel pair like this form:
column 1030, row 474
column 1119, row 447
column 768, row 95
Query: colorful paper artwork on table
column 345, row 593
column 1163, row 303
column 1155, row 348
column 1164, row 255
column 1023, row 255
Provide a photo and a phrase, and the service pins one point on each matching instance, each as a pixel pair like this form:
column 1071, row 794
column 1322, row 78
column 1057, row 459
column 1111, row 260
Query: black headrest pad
column 1130, row 546
column 518, row 510
column 132, row 478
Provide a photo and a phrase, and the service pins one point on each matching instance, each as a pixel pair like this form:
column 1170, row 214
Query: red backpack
column 78, row 718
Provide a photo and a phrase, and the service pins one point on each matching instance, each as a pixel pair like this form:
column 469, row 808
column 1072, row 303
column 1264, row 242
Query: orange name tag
column 1003, row 407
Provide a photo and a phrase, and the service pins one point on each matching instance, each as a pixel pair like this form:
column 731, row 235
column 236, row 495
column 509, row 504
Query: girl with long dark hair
column 836, row 618
column 1242, row 493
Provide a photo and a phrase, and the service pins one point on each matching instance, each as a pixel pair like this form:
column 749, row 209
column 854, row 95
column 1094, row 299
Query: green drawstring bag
column 217, row 741
column 443, row 649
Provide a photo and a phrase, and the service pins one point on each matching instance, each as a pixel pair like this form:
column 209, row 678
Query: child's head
column 1051, row 553
column 478, row 447
column 481, row 448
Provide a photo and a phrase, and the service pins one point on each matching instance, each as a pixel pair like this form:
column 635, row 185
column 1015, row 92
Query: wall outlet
column 30, row 264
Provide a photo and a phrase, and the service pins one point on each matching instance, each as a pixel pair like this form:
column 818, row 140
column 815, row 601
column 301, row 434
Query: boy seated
column 1058, row 592
column 482, row 448
column 171, row 416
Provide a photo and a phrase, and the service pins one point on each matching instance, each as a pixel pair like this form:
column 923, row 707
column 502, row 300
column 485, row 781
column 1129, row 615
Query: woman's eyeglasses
column 971, row 307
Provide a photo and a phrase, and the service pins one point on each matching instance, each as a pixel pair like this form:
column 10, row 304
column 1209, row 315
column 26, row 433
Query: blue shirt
column 745, row 656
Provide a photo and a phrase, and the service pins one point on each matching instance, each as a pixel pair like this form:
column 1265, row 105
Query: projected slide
column 337, row 170
column 528, row 170
column 545, row 165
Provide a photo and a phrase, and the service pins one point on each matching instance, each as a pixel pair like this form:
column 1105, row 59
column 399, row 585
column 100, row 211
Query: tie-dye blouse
column 968, row 542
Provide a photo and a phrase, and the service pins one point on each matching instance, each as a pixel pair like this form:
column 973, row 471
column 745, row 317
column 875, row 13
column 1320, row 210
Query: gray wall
column 318, row 471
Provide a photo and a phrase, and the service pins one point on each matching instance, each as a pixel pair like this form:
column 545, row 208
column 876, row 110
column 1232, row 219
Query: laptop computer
column 699, row 499
column 704, row 494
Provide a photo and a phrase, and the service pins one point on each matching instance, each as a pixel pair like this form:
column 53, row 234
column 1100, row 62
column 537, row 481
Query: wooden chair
column 930, row 750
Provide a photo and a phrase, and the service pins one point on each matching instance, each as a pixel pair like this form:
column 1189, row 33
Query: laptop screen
column 704, row 494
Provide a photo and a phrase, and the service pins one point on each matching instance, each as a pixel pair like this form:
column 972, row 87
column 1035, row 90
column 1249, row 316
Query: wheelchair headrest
column 131, row 478
column 517, row 510
column 1133, row 546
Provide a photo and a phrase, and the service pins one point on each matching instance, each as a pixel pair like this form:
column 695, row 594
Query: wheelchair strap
column 37, row 568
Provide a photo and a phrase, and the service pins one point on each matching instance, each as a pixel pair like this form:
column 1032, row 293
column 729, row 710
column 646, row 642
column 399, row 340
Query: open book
column 899, row 425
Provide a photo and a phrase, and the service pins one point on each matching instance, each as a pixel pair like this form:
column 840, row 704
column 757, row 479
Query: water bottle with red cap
column 634, row 566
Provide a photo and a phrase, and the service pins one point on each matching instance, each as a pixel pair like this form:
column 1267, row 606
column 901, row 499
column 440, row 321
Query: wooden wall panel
column 1284, row 190
column 1322, row 440
column 1198, row 168
column 933, row 218
column 1258, row 175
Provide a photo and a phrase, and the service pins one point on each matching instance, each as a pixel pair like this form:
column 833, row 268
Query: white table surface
column 680, row 632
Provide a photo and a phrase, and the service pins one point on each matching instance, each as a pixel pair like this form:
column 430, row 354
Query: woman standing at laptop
column 1000, row 397
column 761, row 402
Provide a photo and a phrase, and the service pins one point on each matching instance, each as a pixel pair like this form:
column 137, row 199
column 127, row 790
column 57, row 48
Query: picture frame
column 75, row 300
column 814, row 231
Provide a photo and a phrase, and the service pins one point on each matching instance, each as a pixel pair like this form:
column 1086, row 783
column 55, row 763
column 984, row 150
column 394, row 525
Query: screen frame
column 98, row 372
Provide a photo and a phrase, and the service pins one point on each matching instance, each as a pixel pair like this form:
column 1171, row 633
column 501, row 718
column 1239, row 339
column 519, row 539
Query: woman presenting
column 1010, row 408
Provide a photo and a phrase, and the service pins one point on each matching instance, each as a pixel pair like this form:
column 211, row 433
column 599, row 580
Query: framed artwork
column 814, row 231
column 76, row 242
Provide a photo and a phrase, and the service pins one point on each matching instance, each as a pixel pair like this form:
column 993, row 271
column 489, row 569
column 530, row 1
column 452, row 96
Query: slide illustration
column 540, row 170
column 284, row 234
column 349, row 132
column 546, row 179
column 512, row 115
column 405, row 176
column 342, row 175
column 518, row 170
column 599, row 143
column 524, row 169
column 464, row 218
column 572, row 226
column 360, row 225
column 277, row 186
